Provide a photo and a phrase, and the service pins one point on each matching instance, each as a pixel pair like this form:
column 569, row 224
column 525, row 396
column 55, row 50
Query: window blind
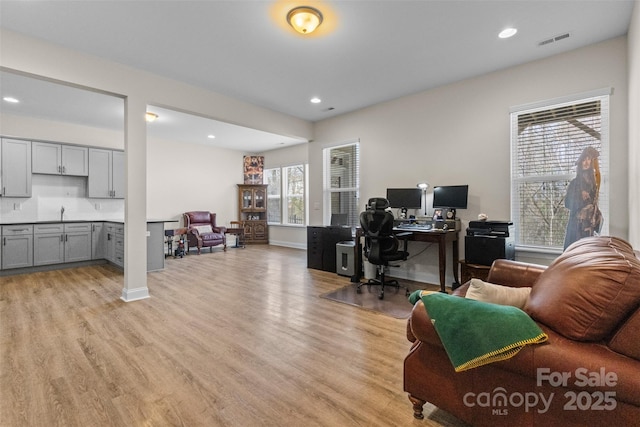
column 546, row 143
column 342, row 187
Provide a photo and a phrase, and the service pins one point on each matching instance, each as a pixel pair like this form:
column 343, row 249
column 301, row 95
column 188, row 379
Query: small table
column 238, row 232
column 470, row 271
column 169, row 236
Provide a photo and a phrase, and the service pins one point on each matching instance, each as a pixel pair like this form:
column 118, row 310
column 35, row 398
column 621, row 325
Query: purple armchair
column 202, row 230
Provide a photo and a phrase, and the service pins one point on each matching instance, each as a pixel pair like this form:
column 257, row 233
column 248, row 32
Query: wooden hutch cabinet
column 252, row 212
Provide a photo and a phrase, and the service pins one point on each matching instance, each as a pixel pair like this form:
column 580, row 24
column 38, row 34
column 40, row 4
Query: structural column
column 135, row 205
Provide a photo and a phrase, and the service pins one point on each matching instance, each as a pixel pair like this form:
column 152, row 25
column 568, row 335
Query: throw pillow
column 203, row 229
column 497, row 294
column 588, row 290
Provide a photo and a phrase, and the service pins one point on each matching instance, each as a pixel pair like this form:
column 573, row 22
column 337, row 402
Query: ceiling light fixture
column 316, row 100
column 211, row 136
column 507, row 32
column 150, row 117
column 11, row 99
column 304, row 19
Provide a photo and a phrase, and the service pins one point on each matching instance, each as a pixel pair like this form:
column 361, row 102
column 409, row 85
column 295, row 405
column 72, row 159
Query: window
column 286, row 200
column 342, row 182
column 546, row 143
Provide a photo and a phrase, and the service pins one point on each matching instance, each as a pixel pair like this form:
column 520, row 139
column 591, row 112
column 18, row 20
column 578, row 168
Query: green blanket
column 476, row 333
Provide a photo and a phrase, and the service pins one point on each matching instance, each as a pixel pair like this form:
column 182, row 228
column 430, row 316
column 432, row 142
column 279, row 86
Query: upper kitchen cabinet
column 59, row 159
column 106, row 174
column 15, row 172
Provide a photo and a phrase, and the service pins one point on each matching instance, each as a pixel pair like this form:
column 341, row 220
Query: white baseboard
column 134, row 294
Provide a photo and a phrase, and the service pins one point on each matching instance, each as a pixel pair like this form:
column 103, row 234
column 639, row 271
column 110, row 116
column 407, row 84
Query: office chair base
column 382, row 283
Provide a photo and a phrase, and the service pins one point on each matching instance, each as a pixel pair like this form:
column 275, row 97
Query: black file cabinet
column 483, row 250
column 321, row 246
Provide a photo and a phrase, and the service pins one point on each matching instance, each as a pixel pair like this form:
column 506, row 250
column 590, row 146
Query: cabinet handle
column 64, row 169
column 66, row 237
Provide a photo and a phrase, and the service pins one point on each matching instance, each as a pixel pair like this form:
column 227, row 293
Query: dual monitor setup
column 446, row 199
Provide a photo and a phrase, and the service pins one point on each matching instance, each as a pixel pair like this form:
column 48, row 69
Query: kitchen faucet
column 61, row 214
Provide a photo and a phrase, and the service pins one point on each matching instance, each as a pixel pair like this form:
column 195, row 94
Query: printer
column 487, row 241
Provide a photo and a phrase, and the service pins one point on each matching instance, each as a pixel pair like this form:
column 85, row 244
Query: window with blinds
column 546, row 144
column 274, row 192
column 286, row 194
column 342, row 186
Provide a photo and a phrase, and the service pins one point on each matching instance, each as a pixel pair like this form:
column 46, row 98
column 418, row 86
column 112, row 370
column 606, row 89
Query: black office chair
column 380, row 243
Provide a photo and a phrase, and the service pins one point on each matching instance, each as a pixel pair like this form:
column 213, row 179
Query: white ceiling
column 364, row 53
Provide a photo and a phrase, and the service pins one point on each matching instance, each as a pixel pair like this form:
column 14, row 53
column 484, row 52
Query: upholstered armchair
column 203, row 232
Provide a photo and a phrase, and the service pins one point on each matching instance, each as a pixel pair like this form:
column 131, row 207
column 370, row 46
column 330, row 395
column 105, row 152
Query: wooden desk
column 435, row 236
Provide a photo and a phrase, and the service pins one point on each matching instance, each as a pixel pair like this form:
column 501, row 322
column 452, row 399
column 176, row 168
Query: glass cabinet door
column 260, row 198
column 246, row 199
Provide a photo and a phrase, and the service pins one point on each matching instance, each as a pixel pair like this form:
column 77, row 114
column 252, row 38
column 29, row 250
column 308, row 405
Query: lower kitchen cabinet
column 77, row 242
column 17, row 246
column 56, row 243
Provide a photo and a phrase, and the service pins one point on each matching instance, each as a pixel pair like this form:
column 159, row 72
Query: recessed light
column 150, row 117
column 11, row 99
column 316, row 100
column 507, row 32
column 211, row 136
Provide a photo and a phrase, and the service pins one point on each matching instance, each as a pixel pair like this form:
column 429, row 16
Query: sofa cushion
column 625, row 341
column 497, row 294
column 588, row 290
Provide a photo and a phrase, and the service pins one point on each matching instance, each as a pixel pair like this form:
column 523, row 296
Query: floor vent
column 554, row 39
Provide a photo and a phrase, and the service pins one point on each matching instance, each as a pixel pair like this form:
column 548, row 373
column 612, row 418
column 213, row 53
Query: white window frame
column 284, row 195
column 601, row 95
column 329, row 190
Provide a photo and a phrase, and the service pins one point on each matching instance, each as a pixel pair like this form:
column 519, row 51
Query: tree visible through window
column 546, row 146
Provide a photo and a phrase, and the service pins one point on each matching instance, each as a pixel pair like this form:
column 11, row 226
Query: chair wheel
column 381, row 296
column 358, row 291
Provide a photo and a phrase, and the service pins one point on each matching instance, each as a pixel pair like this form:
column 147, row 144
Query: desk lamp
column 423, row 186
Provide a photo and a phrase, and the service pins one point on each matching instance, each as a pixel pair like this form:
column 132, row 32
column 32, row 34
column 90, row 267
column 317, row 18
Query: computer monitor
column 339, row 219
column 451, row 196
column 409, row 198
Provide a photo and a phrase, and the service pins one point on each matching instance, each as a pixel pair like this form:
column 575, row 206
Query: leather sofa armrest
column 514, row 273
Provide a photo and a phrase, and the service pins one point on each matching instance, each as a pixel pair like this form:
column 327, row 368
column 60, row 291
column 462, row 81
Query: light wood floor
column 227, row 339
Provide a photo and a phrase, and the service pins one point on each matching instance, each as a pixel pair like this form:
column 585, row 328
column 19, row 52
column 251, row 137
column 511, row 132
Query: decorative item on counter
column 482, row 217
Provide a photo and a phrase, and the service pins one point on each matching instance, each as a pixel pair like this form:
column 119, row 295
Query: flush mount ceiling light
column 10, row 99
column 150, row 117
column 304, row 19
column 315, row 100
column 507, row 32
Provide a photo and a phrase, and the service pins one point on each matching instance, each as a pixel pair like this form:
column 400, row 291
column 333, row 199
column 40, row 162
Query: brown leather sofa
column 202, row 231
column 586, row 374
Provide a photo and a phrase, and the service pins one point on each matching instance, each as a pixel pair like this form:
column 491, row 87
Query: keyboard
column 414, row 226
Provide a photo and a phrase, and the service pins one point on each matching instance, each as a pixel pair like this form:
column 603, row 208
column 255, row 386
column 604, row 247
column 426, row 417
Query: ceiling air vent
column 554, row 39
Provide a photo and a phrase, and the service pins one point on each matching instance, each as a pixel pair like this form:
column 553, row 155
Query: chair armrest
column 220, row 230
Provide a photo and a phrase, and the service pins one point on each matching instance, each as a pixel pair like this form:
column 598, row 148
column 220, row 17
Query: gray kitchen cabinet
column 155, row 246
column 117, row 180
column 59, row 159
column 48, row 244
column 15, row 168
column 114, row 243
column 56, row 243
column 106, row 174
column 17, row 246
column 98, row 241
column 77, row 242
